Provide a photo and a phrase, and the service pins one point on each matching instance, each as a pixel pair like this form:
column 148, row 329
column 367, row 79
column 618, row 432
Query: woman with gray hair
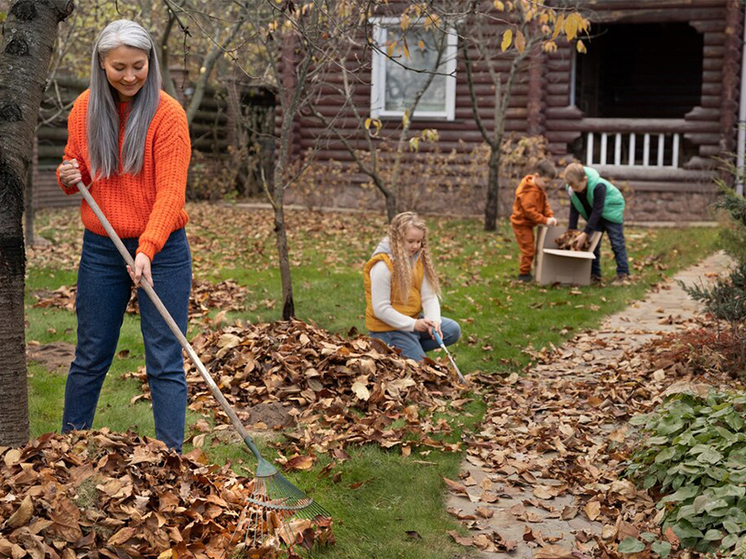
column 129, row 141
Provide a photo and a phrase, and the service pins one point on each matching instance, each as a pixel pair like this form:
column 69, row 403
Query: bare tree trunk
column 208, row 64
column 29, row 33
column 281, row 235
column 493, row 192
column 29, row 202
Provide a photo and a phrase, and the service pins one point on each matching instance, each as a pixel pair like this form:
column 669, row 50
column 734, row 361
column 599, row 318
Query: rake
column 276, row 504
column 439, row 341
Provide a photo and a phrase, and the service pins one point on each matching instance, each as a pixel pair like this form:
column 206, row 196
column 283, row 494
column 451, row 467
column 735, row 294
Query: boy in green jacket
column 602, row 205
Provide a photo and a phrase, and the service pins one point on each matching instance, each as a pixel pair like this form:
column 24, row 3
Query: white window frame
column 378, row 75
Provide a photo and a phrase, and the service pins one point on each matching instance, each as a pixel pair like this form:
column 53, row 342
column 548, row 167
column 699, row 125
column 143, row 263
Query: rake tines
column 281, row 514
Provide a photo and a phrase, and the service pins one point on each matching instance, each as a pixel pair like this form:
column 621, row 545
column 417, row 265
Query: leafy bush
column 733, row 234
column 726, row 300
column 693, row 451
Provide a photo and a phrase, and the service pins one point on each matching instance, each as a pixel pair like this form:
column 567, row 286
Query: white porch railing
column 634, row 149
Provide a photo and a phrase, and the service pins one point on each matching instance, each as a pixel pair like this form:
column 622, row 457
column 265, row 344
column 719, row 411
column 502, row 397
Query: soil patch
column 55, row 357
column 271, row 415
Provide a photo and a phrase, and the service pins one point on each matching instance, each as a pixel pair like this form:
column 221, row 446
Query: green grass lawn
column 381, row 499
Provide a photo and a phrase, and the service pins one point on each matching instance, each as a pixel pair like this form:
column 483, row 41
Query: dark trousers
column 102, row 295
column 616, row 238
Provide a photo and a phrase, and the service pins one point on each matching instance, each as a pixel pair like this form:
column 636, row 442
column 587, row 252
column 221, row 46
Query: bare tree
column 417, row 30
column 29, row 33
column 293, row 47
column 500, row 37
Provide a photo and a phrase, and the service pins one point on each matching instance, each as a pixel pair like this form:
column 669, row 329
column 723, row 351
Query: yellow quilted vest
column 411, row 307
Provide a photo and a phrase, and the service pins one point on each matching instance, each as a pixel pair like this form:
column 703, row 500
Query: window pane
column 402, row 84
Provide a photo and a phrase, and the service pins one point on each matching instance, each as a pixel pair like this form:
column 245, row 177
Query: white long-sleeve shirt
column 380, row 294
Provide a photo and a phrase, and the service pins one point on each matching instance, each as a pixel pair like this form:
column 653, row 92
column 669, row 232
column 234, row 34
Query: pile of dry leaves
column 566, row 240
column 205, row 296
column 116, row 496
column 561, row 432
column 339, row 391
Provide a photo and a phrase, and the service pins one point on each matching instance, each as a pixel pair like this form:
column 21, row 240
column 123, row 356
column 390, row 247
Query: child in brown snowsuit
column 530, row 209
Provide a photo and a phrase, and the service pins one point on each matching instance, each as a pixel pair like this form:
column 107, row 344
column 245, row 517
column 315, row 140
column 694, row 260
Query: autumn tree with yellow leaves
column 507, row 39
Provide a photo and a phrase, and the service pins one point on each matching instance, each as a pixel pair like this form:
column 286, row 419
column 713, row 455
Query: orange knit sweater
column 149, row 205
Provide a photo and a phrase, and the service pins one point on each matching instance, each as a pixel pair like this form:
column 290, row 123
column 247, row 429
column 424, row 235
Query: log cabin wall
column 667, row 192
column 458, row 138
column 680, row 190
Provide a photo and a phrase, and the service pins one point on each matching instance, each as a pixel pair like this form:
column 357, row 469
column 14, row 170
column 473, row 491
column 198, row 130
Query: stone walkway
column 667, row 309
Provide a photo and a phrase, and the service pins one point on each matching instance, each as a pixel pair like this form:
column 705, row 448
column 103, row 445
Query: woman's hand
column 70, row 172
column 551, row 221
column 142, row 270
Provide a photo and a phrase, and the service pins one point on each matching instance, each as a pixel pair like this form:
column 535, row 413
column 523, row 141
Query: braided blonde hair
column 402, row 274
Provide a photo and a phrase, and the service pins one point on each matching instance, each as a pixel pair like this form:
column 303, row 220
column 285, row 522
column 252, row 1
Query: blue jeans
column 413, row 345
column 101, row 299
column 616, row 238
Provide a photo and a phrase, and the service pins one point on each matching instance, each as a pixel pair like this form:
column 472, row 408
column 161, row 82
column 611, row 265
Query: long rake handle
column 171, row 324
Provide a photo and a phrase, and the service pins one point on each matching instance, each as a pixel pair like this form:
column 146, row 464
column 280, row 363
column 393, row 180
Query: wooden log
column 662, row 174
column 637, row 125
column 206, row 116
column 564, row 51
column 713, row 39
column 557, row 148
column 558, row 76
column 350, row 123
column 713, row 52
column 558, row 88
column 569, row 112
column 703, row 138
column 709, row 150
column 563, row 136
column 51, row 152
column 711, row 88
column 199, row 129
column 710, row 101
column 681, row 185
column 701, row 163
column 557, row 100
column 559, row 65
column 338, row 152
column 619, row 125
column 488, row 90
column 659, row 15
column 208, row 144
column 713, row 64
column 212, row 104
column 709, row 26
column 709, row 76
column 472, row 136
column 702, row 114
column 72, row 82
column 600, row 5
column 56, row 134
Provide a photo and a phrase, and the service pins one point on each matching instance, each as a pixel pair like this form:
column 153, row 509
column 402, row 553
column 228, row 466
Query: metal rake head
column 280, row 514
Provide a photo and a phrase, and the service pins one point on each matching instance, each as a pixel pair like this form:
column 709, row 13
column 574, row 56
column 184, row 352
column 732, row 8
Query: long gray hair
column 103, row 117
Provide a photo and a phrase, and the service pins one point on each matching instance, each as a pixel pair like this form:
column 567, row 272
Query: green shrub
column 693, row 451
column 733, row 235
column 726, row 300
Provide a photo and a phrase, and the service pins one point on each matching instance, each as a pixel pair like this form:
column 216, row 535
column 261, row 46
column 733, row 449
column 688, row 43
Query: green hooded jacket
column 613, row 204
